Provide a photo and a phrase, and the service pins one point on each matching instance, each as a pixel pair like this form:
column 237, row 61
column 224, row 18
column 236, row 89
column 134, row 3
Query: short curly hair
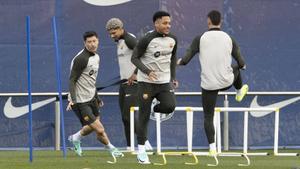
column 114, row 23
column 159, row 15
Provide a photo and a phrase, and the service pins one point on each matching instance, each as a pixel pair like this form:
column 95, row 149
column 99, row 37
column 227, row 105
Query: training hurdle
column 189, row 117
column 245, row 139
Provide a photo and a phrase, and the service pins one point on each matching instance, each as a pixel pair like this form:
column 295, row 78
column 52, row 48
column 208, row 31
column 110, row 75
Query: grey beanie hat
column 114, row 23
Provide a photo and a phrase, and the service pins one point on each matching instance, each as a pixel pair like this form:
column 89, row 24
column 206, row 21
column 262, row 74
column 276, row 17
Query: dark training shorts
column 86, row 112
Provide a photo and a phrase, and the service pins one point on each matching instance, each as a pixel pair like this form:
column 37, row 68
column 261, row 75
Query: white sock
column 77, row 136
column 147, row 143
column 109, row 146
column 212, row 146
column 141, row 148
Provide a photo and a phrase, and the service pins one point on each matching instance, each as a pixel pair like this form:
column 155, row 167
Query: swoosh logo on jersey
column 279, row 105
column 11, row 111
column 106, row 2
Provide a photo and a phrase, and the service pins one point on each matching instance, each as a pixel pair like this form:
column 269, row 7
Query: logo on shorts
column 145, row 96
column 86, row 118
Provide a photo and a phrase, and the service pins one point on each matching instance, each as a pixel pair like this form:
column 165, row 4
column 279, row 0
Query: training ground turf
column 97, row 160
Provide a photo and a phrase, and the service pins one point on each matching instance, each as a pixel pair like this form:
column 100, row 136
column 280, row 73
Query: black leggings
column 127, row 99
column 146, row 93
column 209, row 99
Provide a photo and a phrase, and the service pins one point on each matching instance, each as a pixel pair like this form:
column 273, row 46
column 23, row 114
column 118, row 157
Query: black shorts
column 86, row 112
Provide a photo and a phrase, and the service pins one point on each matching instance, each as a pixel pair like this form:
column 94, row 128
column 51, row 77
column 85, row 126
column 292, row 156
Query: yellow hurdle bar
column 164, row 154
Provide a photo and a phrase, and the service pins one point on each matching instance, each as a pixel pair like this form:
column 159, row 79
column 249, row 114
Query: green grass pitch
column 98, row 160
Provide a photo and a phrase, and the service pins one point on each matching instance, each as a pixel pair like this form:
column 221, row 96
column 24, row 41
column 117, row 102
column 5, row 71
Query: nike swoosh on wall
column 11, row 111
column 279, row 105
column 106, row 2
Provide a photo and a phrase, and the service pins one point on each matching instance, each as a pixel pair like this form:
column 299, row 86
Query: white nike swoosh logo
column 106, row 2
column 10, row 111
column 279, row 105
